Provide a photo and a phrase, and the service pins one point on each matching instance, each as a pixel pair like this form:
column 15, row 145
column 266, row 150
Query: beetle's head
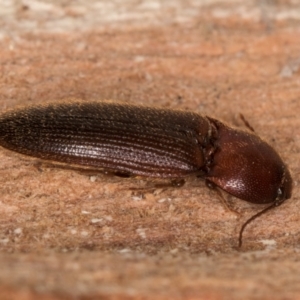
column 248, row 168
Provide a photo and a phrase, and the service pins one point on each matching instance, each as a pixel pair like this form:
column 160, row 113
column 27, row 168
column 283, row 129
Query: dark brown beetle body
column 150, row 142
column 134, row 140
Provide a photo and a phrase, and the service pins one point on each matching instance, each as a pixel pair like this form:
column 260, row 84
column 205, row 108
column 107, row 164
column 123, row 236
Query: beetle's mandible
column 162, row 143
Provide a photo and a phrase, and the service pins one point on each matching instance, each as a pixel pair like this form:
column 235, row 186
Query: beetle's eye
column 279, row 193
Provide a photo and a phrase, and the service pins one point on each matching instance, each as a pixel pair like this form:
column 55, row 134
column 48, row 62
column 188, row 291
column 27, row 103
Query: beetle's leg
column 221, row 197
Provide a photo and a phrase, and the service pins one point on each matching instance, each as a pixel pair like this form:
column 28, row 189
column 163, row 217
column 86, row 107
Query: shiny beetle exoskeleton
column 151, row 142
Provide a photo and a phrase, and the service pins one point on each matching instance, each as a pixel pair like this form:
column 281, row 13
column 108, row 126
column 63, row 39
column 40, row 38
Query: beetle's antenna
column 273, row 205
column 246, row 123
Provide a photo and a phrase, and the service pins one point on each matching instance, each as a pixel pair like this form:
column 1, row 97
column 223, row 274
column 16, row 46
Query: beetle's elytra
column 151, row 142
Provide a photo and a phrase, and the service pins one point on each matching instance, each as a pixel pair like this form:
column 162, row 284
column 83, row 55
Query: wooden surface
column 66, row 234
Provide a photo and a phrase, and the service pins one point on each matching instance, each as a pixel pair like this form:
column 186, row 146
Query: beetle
column 162, row 143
